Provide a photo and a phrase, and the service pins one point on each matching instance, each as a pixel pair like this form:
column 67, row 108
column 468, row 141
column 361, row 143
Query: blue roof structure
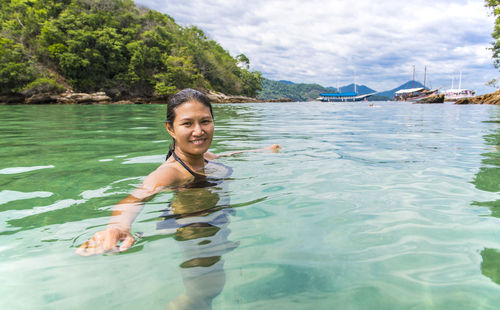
column 339, row 95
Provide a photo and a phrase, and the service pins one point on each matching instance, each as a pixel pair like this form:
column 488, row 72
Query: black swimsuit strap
column 185, row 166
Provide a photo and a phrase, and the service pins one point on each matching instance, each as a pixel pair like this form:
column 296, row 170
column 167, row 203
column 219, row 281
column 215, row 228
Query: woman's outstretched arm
column 125, row 212
column 210, row 156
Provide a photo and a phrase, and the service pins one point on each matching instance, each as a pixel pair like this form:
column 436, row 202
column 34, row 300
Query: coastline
column 492, row 98
column 70, row 97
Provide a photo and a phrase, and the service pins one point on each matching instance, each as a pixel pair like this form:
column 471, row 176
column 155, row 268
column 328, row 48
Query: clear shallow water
column 385, row 207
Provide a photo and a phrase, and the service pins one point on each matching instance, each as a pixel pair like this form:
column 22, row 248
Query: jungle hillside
column 111, row 46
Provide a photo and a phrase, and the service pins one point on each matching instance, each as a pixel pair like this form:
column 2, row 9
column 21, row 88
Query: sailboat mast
column 425, row 75
column 355, row 90
column 413, row 79
column 460, row 82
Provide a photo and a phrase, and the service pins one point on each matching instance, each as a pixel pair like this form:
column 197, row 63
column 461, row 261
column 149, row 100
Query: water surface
column 387, row 207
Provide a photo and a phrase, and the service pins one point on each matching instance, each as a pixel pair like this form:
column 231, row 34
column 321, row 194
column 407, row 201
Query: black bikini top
column 201, row 180
column 187, row 167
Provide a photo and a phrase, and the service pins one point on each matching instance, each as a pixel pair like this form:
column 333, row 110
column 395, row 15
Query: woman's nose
column 197, row 130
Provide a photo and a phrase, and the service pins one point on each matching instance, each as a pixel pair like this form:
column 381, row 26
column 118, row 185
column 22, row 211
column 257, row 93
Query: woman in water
column 189, row 164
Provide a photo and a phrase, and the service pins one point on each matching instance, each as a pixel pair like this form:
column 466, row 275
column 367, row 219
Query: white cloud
column 325, row 41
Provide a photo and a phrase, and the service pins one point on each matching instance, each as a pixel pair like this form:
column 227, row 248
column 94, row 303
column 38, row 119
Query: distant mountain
column 307, row 92
column 360, row 89
column 390, row 93
column 295, row 91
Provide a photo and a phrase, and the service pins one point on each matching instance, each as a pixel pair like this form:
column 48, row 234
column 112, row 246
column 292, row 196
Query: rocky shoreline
column 438, row 98
column 70, row 97
column 493, row 98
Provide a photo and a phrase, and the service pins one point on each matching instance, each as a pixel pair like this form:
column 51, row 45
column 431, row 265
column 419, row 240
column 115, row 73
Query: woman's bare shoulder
column 170, row 173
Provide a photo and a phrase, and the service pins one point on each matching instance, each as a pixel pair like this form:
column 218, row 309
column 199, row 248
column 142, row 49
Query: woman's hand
column 275, row 147
column 106, row 241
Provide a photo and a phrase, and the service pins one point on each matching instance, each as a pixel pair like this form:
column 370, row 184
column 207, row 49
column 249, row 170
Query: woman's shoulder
column 169, row 173
column 166, row 175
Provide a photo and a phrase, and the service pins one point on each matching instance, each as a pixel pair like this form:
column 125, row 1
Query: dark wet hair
column 179, row 98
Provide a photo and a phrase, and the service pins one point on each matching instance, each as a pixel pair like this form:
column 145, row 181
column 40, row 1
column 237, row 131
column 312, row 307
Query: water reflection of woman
column 197, row 210
column 198, row 218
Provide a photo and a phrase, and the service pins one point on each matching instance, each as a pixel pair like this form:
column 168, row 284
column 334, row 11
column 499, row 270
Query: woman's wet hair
column 179, row 98
column 183, row 96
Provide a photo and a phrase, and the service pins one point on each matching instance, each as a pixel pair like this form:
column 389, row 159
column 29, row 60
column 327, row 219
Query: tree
column 15, row 67
column 113, row 46
column 494, row 5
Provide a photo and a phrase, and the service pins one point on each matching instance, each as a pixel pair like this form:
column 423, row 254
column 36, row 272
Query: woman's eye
column 186, row 124
column 206, row 121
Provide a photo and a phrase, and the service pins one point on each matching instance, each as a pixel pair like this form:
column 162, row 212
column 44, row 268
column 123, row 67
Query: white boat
column 458, row 93
column 343, row 97
column 454, row 94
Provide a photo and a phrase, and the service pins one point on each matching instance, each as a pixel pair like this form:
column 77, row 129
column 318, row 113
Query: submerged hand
column 106, row 241
column 275, row 147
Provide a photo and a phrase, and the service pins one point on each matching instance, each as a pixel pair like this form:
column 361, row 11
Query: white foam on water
column 8, row 196
column 151, row 159
column 61, row 204
column 96, row 193
column 14, row 170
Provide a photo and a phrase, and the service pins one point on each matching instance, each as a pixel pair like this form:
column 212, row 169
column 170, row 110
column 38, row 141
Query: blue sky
column 330, row 42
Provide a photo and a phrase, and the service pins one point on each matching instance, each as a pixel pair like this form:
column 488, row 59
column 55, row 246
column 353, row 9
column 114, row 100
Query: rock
column 12, row 99
column 279, row 100
column 216, row 97
column 493, row 98
column 438, row 98
column 83, row 98
column 122, row 102
column 41, row 99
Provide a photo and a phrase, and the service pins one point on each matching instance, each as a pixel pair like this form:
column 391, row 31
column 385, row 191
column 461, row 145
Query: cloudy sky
column 331, row 42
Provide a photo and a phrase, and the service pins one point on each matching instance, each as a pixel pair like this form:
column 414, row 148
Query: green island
column 112, row 48
column 91, row 51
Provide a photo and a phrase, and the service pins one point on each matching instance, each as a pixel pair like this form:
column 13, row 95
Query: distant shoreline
column 70, row 97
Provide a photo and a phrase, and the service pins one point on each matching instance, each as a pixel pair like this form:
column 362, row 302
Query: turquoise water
column 387, row 207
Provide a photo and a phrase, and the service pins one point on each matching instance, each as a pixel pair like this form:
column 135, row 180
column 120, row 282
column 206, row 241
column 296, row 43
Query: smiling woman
column 190, row 123
column 197, row 215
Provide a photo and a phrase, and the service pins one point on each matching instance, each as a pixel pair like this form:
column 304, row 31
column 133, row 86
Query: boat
column 343, row 97
column 417, row 93
column 453, row 94
column 413, row 94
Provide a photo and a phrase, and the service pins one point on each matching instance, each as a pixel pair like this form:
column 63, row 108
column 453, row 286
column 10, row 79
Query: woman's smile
column 193, row 128
column 198, row 141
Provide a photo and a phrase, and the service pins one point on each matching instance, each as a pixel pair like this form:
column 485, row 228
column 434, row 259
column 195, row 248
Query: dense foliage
column 112, row 46
column 494, row 5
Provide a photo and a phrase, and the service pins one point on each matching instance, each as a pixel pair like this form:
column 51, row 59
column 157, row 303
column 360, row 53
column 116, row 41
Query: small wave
column 14, row 170
column 8, row 196
column 152, row 159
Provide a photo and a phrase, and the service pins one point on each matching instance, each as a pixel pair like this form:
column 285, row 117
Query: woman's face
column 193, row 128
